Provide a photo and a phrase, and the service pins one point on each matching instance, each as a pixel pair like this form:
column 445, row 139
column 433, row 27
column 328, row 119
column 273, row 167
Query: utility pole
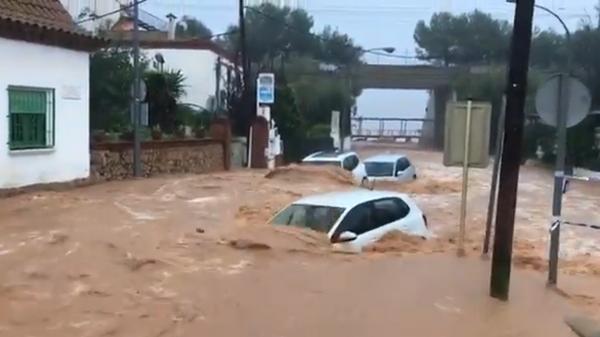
column 244, row 57
column 511, row 156
column 137, row 147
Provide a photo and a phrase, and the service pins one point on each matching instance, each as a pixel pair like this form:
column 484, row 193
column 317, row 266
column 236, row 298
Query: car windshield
column 378, row 169
column 318, row 218
column 324, row 163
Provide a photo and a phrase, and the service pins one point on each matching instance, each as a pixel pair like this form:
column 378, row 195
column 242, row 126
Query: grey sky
column 380, row 23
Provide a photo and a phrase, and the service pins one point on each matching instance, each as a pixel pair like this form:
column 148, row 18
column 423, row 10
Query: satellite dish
column 546, row 101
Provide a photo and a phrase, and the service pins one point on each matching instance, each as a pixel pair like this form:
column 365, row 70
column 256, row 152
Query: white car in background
column 390, row 167
column 355, row 219
column 349, row 161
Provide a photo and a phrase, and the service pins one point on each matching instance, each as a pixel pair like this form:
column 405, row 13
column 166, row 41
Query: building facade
column 44, row 94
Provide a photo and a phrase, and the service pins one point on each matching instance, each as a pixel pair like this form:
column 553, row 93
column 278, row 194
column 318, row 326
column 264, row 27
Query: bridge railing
column 390, row 127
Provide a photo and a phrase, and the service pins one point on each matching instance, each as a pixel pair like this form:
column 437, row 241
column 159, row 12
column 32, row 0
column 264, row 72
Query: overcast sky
column 381, row 23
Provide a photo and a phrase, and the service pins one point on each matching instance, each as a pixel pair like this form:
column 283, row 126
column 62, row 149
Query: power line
column 96, row 17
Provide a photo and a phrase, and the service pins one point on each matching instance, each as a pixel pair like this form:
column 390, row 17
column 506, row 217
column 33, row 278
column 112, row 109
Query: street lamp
column 389, row 50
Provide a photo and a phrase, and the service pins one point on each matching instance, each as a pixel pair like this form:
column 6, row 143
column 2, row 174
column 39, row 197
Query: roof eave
column 35, row 33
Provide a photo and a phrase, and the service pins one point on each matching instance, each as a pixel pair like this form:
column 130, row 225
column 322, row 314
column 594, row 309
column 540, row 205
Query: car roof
column 328, row 155
column 386, row 158
column 348, row 199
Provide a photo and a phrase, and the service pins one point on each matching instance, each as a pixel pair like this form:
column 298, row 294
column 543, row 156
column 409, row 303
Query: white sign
column 265, row 88
column 265, row 112
column 71, row 92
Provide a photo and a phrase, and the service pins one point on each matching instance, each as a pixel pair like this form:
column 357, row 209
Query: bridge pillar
column 433, row 132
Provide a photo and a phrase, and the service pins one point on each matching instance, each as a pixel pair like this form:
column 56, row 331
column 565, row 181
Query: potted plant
column 199, row 132
column 99, row 136
column 180, row 132
column 127, row 135
column 156, row 133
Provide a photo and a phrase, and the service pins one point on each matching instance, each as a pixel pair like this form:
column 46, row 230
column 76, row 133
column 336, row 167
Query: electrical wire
column 96, row 17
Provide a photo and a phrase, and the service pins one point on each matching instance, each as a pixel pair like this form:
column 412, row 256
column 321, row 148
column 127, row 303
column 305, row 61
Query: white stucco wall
column 33, row 65
column 198, row 67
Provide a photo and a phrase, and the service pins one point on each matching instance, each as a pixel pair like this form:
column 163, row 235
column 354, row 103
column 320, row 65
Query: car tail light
column 425, row 219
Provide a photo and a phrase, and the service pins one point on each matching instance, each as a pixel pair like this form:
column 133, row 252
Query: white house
column 203, row 63
column 44, row 90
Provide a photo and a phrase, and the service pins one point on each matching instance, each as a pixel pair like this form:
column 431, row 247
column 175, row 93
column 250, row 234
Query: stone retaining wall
column 114, row 161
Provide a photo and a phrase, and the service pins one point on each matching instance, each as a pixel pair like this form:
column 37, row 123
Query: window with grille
column 31, row 118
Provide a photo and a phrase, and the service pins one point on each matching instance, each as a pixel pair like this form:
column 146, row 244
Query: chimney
column 171, row 27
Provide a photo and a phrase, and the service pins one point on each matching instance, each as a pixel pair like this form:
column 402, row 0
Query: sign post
column 265, row 97
column 562, row 101
column 466, row 144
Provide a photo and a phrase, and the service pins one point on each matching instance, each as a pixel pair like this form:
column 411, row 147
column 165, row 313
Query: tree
column 111, row 76
column 164, row 90
column 474, row 38
column 190, row 27
column 338, row 48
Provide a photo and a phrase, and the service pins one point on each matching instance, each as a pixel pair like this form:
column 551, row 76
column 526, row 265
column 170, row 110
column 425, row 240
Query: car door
column 370, row 221
column 409, row 220
column 403, row 171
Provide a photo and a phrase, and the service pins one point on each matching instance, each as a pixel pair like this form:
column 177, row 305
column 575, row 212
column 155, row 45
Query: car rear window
column 318, row 218
column 323, row 163
column 379, row 169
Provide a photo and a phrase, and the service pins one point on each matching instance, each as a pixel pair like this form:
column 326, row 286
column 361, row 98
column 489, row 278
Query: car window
column 388, row 210
column 323, row 163
column 379, row 169
column 350, row 163
column 358, row 221
column 402, row 164
column 318, row 218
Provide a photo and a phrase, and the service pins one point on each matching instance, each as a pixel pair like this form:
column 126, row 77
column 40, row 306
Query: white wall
column 28, row 64
column 198, row 67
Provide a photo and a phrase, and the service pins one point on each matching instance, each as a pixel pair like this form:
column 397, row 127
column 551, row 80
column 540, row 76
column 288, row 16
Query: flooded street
column 192, row 255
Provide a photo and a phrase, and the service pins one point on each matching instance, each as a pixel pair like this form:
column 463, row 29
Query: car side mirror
column 347, row 237
column 399, row 173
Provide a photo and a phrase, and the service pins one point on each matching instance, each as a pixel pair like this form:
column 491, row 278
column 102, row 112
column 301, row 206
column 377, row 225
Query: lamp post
column 561, row 140
column 388, row 50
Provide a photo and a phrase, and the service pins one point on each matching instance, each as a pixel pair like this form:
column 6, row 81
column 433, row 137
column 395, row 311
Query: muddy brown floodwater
column 193, row 255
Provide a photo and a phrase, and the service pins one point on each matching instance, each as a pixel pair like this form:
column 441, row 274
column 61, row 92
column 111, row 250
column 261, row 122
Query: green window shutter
column 29, row 113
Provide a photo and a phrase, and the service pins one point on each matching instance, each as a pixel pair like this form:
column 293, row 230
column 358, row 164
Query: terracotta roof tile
column 49, row 14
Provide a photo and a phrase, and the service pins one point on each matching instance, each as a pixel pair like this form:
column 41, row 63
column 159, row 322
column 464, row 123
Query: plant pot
column 200, row 133
column 127, row 136
column 99, row 137
column 157, row 135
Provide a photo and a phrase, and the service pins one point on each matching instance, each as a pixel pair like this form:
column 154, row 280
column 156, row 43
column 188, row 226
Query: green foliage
column 163, row 91
column 111, row 76
column 473, row 38
column 190, row 27
column 319, row 130
column 337, row 48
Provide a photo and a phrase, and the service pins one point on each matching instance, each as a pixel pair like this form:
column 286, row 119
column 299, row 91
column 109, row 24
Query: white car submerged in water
column 390, row 167
column 349, row 161
column 355, row 219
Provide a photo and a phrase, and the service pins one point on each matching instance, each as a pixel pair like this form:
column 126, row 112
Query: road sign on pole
column 564, row 102
column 265, row 88
column 467, row 139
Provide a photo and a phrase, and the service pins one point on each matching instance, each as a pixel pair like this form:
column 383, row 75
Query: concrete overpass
column 422, row 77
